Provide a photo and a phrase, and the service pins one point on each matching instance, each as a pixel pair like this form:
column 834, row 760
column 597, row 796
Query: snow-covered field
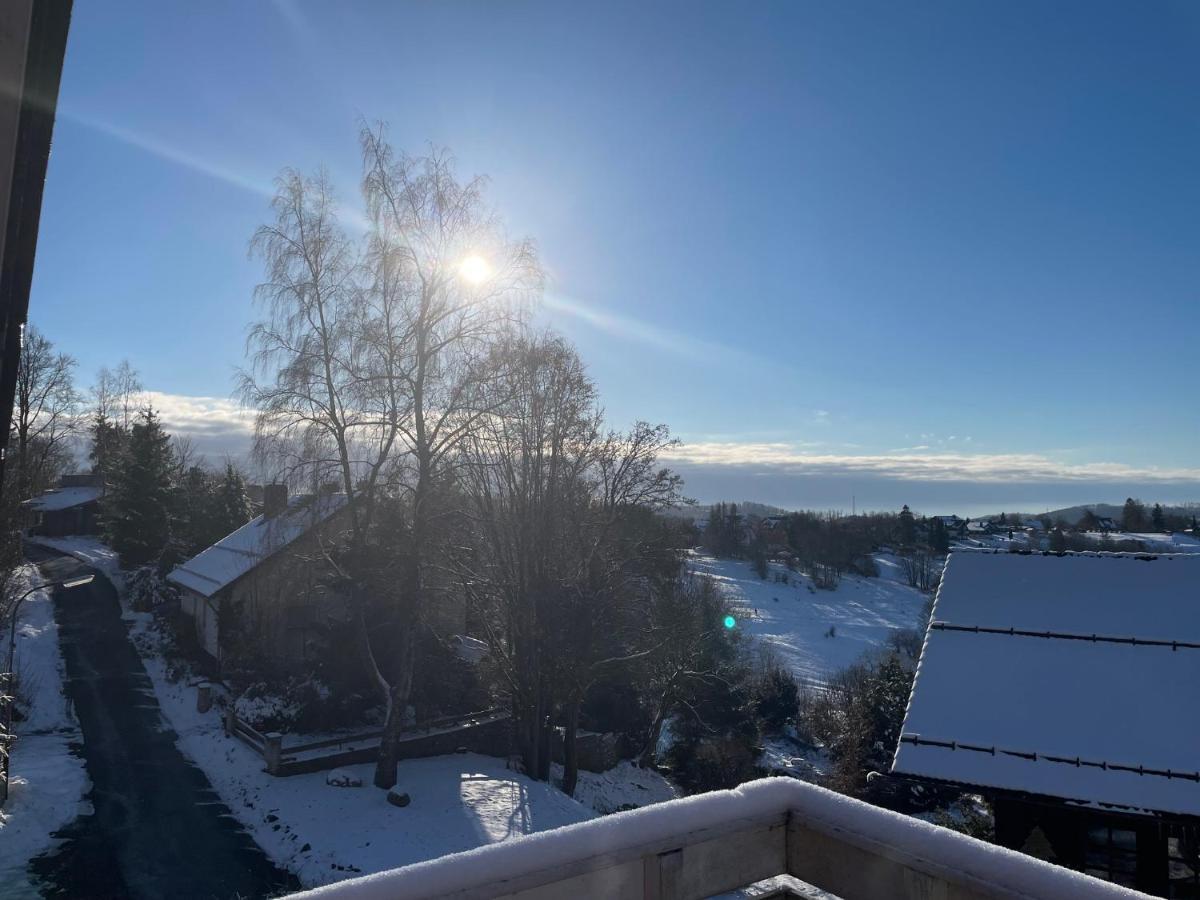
column 816, row 632
column 1155, row 541
column 48, row 780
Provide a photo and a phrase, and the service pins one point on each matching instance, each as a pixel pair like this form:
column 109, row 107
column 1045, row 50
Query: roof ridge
column 1033, row 756
column 1066, row 636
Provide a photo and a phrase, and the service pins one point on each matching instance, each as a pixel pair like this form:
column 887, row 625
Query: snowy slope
column 794, row 619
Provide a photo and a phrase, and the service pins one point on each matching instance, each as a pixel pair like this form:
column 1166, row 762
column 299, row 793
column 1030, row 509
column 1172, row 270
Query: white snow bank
column 849, row 820
column 48, row 781
column 45, row 794
column 624, row 786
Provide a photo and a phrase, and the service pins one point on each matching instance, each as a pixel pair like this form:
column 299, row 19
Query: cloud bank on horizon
column 794, row 475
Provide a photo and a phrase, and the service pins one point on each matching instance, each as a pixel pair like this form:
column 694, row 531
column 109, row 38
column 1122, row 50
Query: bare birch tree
column 370, row 363
column 460, row 282
column 45, row 414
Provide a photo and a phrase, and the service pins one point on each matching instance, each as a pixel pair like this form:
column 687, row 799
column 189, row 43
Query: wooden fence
column 6, row 735
column 484, row 731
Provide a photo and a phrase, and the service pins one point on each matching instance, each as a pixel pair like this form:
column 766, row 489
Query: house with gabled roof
column 71, row 508
column 955, row 527
column 264, row 582
column 1063, row 688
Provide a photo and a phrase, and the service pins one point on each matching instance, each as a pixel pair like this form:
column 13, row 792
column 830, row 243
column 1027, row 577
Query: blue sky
column 942, row 252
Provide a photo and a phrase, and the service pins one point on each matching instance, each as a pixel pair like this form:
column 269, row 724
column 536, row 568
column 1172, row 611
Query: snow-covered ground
column 1157, row 542
column 787, row 755
column 48, row 781
column 325, row 833
column 816, row 632
column 1154, row 542
column 622, row 787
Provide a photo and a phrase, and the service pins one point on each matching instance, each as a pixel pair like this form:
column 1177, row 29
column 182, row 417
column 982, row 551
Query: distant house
column 1106, row 524
column 263, row 582
column 1033, row 525
column 980, row 527
column 773, row 532
column 1064, row 688
column 71, row 508
column 955, row 527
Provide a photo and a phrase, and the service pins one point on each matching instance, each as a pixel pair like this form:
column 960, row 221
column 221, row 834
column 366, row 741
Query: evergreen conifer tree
column 939, row 538
column 908, row 528
column 139, row 514
column 1157, row 518
column 107, row 442
column 232, row 503
column 1133, row 515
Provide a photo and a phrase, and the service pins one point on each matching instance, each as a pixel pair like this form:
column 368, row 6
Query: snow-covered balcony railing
column 719, row 842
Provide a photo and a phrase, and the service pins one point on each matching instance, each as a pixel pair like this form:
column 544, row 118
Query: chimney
column 275, row 499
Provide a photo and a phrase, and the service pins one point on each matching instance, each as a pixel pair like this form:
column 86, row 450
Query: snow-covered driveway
column 157, row 829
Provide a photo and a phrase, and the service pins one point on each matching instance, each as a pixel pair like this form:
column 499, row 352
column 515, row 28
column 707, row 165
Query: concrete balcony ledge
column 718, row 842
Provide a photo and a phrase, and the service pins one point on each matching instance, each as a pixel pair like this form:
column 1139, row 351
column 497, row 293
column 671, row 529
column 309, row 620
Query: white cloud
column 217, row 425
column 907, row 464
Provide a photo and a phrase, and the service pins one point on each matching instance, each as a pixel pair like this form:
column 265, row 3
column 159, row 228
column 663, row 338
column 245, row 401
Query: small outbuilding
column 1063, row 688
column 71, row 508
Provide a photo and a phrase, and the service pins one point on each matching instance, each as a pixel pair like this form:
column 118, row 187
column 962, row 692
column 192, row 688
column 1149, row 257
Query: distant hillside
column 1073, row 514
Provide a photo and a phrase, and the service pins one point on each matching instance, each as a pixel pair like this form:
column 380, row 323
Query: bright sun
column 475, row 269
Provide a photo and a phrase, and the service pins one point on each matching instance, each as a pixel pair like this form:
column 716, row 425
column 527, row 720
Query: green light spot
column 730, row 622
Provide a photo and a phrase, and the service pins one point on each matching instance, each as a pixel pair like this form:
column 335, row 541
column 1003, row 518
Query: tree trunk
column 646, row 758
column 543, row 768
column 571, row 749
column 393, row 726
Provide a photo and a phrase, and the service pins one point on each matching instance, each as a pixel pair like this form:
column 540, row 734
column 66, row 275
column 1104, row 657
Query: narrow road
column 158, row 829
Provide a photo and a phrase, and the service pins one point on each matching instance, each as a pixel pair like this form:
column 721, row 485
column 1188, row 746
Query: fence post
column 203, row 697
column 273, row 751
column 230, row 719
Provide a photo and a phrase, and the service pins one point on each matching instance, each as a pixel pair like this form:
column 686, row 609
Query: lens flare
column 475, row 269
column 730, row 622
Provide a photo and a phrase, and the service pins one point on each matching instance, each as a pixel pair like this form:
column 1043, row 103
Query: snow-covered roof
column 64, row 498
column 236, row 554
column 1070, row 676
